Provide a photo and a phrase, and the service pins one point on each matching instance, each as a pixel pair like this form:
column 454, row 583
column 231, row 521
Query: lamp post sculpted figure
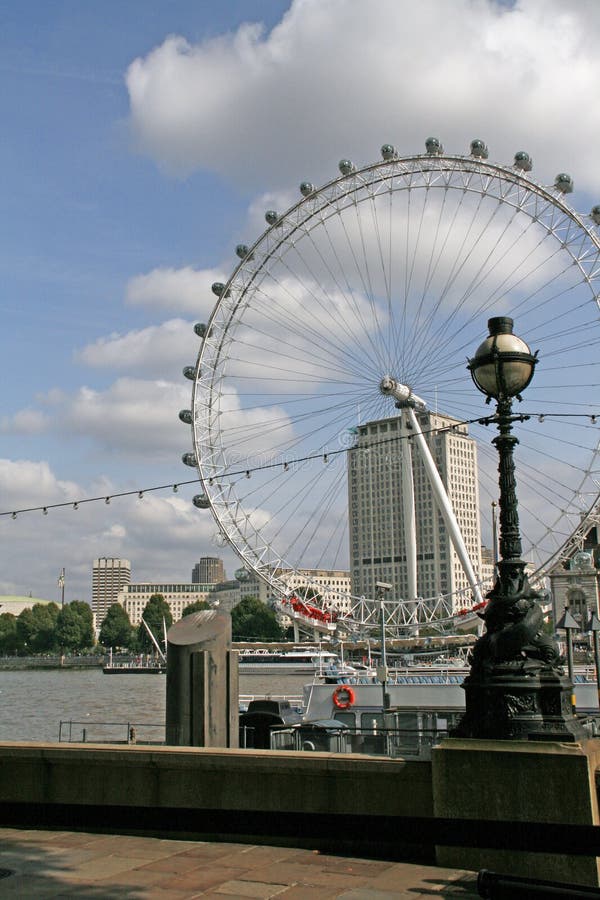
column 516, row 686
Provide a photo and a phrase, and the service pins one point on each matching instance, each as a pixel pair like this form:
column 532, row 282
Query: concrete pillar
column 202, row 682
column 549, row 783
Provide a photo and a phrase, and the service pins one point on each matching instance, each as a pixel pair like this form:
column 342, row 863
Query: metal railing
column 87, row 732
column 390, row 742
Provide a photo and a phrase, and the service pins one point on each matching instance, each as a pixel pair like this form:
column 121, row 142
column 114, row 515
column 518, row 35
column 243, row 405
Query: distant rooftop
column 10, row 603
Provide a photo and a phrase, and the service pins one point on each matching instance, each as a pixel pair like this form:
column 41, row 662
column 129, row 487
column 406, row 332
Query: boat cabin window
column 346, row 717
column 371, row 721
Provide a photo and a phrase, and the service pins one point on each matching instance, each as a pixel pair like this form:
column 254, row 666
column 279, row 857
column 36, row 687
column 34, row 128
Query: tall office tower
column 380, row 508
column 209, row 570
column 109, row 575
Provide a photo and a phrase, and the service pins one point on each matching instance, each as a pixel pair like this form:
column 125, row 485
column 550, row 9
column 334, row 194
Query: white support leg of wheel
column 410, row 525
column 408, row 401
column 444, row 505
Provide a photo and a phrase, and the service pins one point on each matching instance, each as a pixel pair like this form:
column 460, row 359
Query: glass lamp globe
column 503, row 364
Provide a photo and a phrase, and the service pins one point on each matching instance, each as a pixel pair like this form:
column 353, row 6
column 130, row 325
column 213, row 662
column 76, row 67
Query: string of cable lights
column 288, row 463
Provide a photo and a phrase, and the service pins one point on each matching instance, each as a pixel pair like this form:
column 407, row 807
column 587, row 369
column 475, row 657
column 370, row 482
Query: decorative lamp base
column 510, row 705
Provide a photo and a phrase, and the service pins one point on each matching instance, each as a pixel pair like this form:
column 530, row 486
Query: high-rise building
column 209, row 570
column 379, row 505
column 109, row 575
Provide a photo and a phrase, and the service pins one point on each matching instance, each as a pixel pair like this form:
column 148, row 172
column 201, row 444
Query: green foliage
column 196, row 606
column 116, row 630
column 8, row 634
column 251, row 620
column 75, row 627
column 156, row 611
column 36, row 629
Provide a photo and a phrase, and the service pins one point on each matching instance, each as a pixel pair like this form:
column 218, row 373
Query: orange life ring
column 343, row 697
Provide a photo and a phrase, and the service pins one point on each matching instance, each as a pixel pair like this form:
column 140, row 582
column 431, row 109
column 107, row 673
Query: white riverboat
column 422, row 697
column 296, row 661
column 416, row 709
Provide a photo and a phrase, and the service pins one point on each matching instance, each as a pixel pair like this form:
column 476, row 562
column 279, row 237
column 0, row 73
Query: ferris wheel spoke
column 353, row 319
column 483, row 271
column 313, row 331
column 334, row 320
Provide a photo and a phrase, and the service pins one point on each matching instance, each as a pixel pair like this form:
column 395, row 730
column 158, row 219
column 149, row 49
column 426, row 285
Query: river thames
column 33, row 703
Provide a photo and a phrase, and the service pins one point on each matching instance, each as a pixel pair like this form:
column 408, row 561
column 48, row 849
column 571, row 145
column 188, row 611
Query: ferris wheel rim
column 261, row 559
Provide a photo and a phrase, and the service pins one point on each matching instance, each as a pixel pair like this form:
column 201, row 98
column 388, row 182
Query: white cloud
column 27, row 483
column 185, row 290
column 158, row 349
column 340, row 78
column 131, row 416
column 25, row 421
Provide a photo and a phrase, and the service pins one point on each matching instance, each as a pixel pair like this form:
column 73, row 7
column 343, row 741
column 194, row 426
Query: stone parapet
column 531, row 788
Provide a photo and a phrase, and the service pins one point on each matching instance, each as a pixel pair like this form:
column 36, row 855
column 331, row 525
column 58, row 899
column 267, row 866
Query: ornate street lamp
column 516, row 687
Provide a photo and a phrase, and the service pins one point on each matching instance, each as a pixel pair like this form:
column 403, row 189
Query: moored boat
column 430, row 695
column 296, row 661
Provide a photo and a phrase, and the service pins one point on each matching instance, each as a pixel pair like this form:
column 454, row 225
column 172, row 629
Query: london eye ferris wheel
column 390, row 271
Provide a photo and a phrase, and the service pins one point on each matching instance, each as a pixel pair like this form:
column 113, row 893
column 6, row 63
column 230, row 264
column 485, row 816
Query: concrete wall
column 517, row 807
column 278, row 796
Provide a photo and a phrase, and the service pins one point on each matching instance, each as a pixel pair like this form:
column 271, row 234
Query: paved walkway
column 65, row 864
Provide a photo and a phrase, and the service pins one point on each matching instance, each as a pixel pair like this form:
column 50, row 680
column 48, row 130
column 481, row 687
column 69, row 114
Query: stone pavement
column 64, row 864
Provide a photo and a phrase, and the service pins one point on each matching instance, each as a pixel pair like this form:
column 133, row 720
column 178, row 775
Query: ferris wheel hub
column 401, row 393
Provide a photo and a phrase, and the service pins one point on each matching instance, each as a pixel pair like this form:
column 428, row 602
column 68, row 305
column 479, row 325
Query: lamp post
column 382, row 588
column 516, row 687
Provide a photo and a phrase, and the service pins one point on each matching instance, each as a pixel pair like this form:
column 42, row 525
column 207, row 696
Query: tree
column 196, row 606
column 36, row 629
column 251, row 620
column 8, row 634
column 75, row 627
column 116, row 630
column 155, row 613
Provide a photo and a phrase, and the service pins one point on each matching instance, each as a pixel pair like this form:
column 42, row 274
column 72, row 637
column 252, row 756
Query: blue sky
column 141, row 142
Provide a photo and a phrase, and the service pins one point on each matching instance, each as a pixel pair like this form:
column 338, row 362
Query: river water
column 33, row 703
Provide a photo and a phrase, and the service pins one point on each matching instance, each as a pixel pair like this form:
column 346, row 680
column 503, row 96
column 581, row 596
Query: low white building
column 134, row 597
column 16, row 604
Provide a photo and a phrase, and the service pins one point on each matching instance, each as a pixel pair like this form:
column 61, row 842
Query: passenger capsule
column 523, row 161
column 479, row 149
column 218, row 288
column 243, row 251
column 388, row 151
column 306, row 188
column 189, row 459
column 563, row 183
column 190, row 372
column 201, row 501
column 434, row 146
column 200, row 329
column 595, row 214
column 185, row 415
column 346, row 167
column 271, row 216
